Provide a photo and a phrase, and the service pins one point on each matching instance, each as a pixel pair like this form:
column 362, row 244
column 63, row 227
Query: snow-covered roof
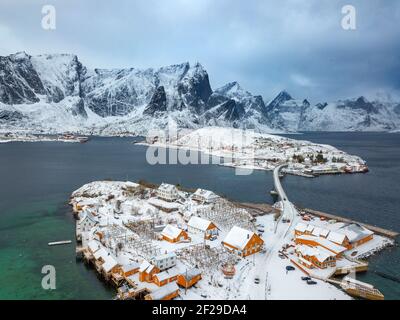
column 320, row 253
column 199, row 223
column 301, row 227
column 101, row 253
column 355, row 232
column 130, row 267
column 238, row 237
column 146, row 266
column 171, row 231
column 206, row 194
column 324, row 242
column 164, row 291
column 93, row 245
column 164, row 256
column 109, row 263
column 310, row 228
column 336, row 237
column 164, row 204
column 167, row 187
column 191, row 273
column 167, row 274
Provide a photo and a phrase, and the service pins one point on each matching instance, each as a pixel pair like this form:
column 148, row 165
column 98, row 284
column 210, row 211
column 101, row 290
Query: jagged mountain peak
column 58, row 86
column 283, row 96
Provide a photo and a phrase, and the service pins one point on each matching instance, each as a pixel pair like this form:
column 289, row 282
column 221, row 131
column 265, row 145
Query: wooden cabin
column 165, row 277
column 312, row 241
column 128, row 270
column 173, row 234
column 243, row 242
column 315, row 256
column 357, row 234
column 189, row 278
column 199, row 225
column 167, row 292
column 147, row 271
column 339, row 238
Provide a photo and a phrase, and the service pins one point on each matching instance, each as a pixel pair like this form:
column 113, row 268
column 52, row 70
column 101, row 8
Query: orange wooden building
column 165, row 277
column 243, row 242
column 130, row 269
column 202, row 226
column 313, row 241
column 167, row 292
column 189, row 278
column 147, row 271
column 174, row 234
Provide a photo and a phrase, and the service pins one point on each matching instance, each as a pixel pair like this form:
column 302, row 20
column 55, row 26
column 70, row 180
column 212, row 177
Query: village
column 249, row 150
column 162, row 242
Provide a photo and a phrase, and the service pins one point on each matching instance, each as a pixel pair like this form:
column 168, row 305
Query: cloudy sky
column 266, row 46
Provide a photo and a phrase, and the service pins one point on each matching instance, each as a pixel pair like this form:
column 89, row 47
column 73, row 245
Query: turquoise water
column 36, row 180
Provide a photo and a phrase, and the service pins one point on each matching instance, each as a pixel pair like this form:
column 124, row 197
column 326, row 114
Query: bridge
column 288, row 209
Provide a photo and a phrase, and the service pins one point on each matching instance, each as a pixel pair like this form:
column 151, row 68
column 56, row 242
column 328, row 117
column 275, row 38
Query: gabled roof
column 109, row 263
column 189, row 274
column 310, row 228
column 336, row 237
column 320, row 253
column 238, row 237
column 301, row 227
column 93, row 245
column 355, row 232
column 167, row 274
column 206, row 194
column 171, row 231
column 199, row 223
column 130, row 267
column 164, row 291
column 167, row 187
column 324, row 243
column 144, row 266
column 164, row 256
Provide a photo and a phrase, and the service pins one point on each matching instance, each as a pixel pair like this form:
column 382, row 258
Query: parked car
column 256, row 279
column 305, row 278
column 213, row 238
column 290, row 268
column 311, row 282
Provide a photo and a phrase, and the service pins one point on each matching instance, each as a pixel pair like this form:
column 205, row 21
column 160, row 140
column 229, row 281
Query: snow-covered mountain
column 55, row 93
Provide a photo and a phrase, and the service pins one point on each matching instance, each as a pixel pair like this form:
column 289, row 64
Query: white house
column 203, row 226
column 167, row 192
column 164, row 261
column 87, row 221
column 204, row 196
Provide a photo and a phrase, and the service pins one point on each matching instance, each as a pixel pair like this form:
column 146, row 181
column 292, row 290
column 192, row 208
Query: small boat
column 274, row 193
column 361, row 289
column 83, row 139
column 57, row 243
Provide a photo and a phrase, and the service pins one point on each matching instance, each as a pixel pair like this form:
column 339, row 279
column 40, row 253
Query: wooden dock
column 377, row 230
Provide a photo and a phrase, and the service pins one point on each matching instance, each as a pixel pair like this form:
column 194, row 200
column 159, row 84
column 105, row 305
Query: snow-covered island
column 247, row 149
column 164, row 242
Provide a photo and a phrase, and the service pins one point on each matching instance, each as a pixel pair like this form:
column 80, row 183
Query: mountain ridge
column 57, row 93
